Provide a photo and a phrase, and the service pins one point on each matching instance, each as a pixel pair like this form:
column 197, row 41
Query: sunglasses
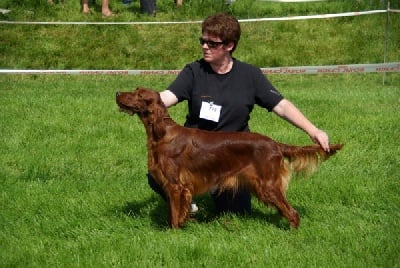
column 210, row 44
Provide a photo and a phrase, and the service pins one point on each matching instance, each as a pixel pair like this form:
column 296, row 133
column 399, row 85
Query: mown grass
column 73, row 190
column 265, row 44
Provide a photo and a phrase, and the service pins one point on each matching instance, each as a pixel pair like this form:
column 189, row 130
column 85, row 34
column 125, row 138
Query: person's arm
column 288, row 111
column 168, row 98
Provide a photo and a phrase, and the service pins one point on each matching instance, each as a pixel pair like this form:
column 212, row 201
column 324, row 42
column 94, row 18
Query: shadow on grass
column 272, row 216
column 155, row 208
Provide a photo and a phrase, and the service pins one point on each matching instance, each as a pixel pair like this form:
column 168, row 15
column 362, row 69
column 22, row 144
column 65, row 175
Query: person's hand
column 321, row 138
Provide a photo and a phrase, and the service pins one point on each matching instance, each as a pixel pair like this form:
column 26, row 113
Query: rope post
column 386, row 40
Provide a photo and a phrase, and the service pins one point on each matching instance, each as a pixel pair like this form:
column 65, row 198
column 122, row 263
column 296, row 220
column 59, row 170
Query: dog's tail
column 305, row 159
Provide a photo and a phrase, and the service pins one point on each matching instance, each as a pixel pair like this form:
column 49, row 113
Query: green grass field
column 73, row 186
column 74, row 191
column 342, row 40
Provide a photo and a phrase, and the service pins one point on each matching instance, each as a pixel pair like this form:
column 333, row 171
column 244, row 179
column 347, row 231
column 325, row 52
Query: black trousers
column 148, row 6
column 226, row 201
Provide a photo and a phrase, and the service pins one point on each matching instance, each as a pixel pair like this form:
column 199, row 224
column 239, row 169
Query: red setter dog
column 187, row 162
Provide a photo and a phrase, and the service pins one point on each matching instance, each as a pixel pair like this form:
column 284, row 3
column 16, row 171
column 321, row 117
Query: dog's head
column 139, row 101
column 147, row 104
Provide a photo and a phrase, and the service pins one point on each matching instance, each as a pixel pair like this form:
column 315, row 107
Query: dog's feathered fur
column 187, row 162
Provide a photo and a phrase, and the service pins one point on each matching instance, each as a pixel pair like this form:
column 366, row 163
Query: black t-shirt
column 235, row 93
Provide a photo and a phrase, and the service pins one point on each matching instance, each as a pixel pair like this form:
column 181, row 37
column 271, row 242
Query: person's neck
column 224, row 67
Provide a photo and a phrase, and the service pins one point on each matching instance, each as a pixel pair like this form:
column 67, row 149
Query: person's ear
column 229, row 46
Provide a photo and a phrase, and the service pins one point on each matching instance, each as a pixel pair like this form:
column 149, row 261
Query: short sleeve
column 266, row 95
column 183, row 84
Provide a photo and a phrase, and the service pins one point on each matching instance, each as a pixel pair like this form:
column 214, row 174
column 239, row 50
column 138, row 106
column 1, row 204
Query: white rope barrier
column 322, row 16
column 328, row 69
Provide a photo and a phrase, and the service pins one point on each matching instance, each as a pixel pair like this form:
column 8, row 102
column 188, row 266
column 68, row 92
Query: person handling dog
column 221, row 92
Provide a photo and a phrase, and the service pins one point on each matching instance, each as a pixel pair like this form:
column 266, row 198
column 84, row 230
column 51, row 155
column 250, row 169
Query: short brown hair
column 223, row 26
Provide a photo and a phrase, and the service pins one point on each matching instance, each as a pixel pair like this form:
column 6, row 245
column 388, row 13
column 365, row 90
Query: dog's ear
column 154, row 110
column 142, row 99
column 159, row 126
column 159, row 113
column 146, row 96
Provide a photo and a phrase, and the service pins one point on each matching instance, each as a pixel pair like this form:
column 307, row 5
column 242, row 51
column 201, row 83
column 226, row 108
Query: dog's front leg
column 174, row 195
column 186, row 200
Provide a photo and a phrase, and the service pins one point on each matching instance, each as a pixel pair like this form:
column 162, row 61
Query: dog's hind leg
column 286, row 209
column 274, row 196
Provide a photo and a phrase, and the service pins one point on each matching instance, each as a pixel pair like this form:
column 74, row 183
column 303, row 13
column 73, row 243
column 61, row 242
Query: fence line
column 322, row 16
column 328, row 69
